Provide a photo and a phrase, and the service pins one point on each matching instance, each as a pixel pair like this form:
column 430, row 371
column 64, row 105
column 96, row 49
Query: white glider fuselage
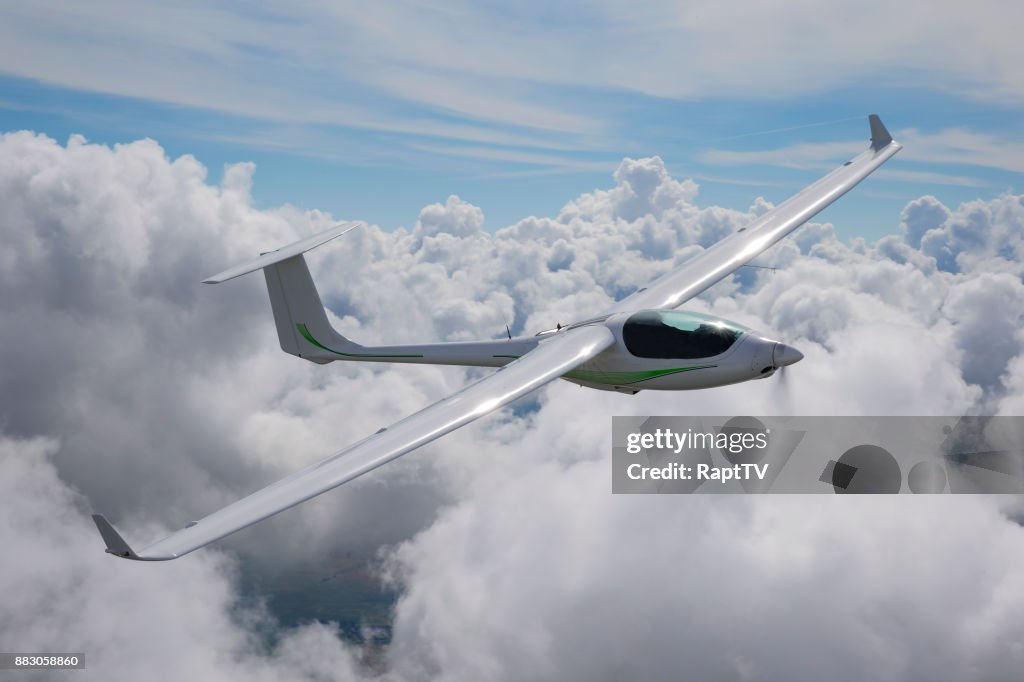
column 662, row 349
column 697, row 351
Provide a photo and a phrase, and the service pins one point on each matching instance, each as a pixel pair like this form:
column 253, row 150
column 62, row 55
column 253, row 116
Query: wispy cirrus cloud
column 396, row 65
column 930, row 178
column 962, row 146
column 803, row 156
column 550, row 161
column 952, row 147
column 351, row 87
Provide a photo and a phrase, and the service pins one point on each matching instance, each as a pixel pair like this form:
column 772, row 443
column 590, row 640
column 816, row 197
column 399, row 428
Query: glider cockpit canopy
column 674, row 334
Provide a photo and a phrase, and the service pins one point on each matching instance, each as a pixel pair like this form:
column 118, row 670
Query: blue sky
column 374, row 111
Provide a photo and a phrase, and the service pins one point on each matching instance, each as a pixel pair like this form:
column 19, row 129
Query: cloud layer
column 129, row 388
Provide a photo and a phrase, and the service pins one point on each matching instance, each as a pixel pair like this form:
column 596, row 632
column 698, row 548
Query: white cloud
column 159, row 400
column 979, row 236
column 158, row 622
column 920, row 216
column 987, row 312
column 454, row 217
column 579, row 585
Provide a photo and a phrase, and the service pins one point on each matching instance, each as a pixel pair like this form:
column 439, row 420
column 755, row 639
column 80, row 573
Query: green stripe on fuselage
column 309, row 337
column 622, row 378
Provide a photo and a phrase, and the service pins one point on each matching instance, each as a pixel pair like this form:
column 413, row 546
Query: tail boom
column 495, row 353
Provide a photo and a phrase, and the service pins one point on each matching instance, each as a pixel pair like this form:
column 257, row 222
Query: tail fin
column 302, row 325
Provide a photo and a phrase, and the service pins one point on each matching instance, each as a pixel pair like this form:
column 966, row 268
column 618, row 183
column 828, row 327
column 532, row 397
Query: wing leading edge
column 550, row 360
column 722, row 259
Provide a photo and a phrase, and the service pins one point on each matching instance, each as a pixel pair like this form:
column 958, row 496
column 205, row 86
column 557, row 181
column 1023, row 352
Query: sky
column 130, row 389
column 372, row 113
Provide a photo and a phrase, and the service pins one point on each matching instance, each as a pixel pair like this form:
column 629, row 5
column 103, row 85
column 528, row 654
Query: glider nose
column 784, row 355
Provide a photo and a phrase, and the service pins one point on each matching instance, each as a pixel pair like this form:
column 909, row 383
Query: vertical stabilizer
column 298, row 311
column 302, row 326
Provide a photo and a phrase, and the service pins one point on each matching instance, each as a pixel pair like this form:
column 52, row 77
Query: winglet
column 115, row 543
column 880, row 137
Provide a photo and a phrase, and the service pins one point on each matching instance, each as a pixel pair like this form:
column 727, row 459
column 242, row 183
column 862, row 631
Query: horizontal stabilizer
column 115, row 543
column 284, row 252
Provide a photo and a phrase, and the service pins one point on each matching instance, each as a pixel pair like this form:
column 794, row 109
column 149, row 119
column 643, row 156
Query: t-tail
column 304, row 330
column 302, row 325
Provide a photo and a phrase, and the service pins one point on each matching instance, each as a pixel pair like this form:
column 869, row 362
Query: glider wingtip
column 115, row 543
column 880, row 136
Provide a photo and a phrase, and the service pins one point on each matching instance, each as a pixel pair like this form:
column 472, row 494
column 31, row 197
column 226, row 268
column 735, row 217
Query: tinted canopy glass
column 677, row 334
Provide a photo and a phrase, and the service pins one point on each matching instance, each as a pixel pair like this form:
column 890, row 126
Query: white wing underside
column 551, row 359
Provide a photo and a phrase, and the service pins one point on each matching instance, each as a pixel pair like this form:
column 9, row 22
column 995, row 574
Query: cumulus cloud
column 920, row 217
column 979, row 235
column 987, row 312
column 169, row 623
column 579, row 586
column 454, row 217
column 131, row 389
